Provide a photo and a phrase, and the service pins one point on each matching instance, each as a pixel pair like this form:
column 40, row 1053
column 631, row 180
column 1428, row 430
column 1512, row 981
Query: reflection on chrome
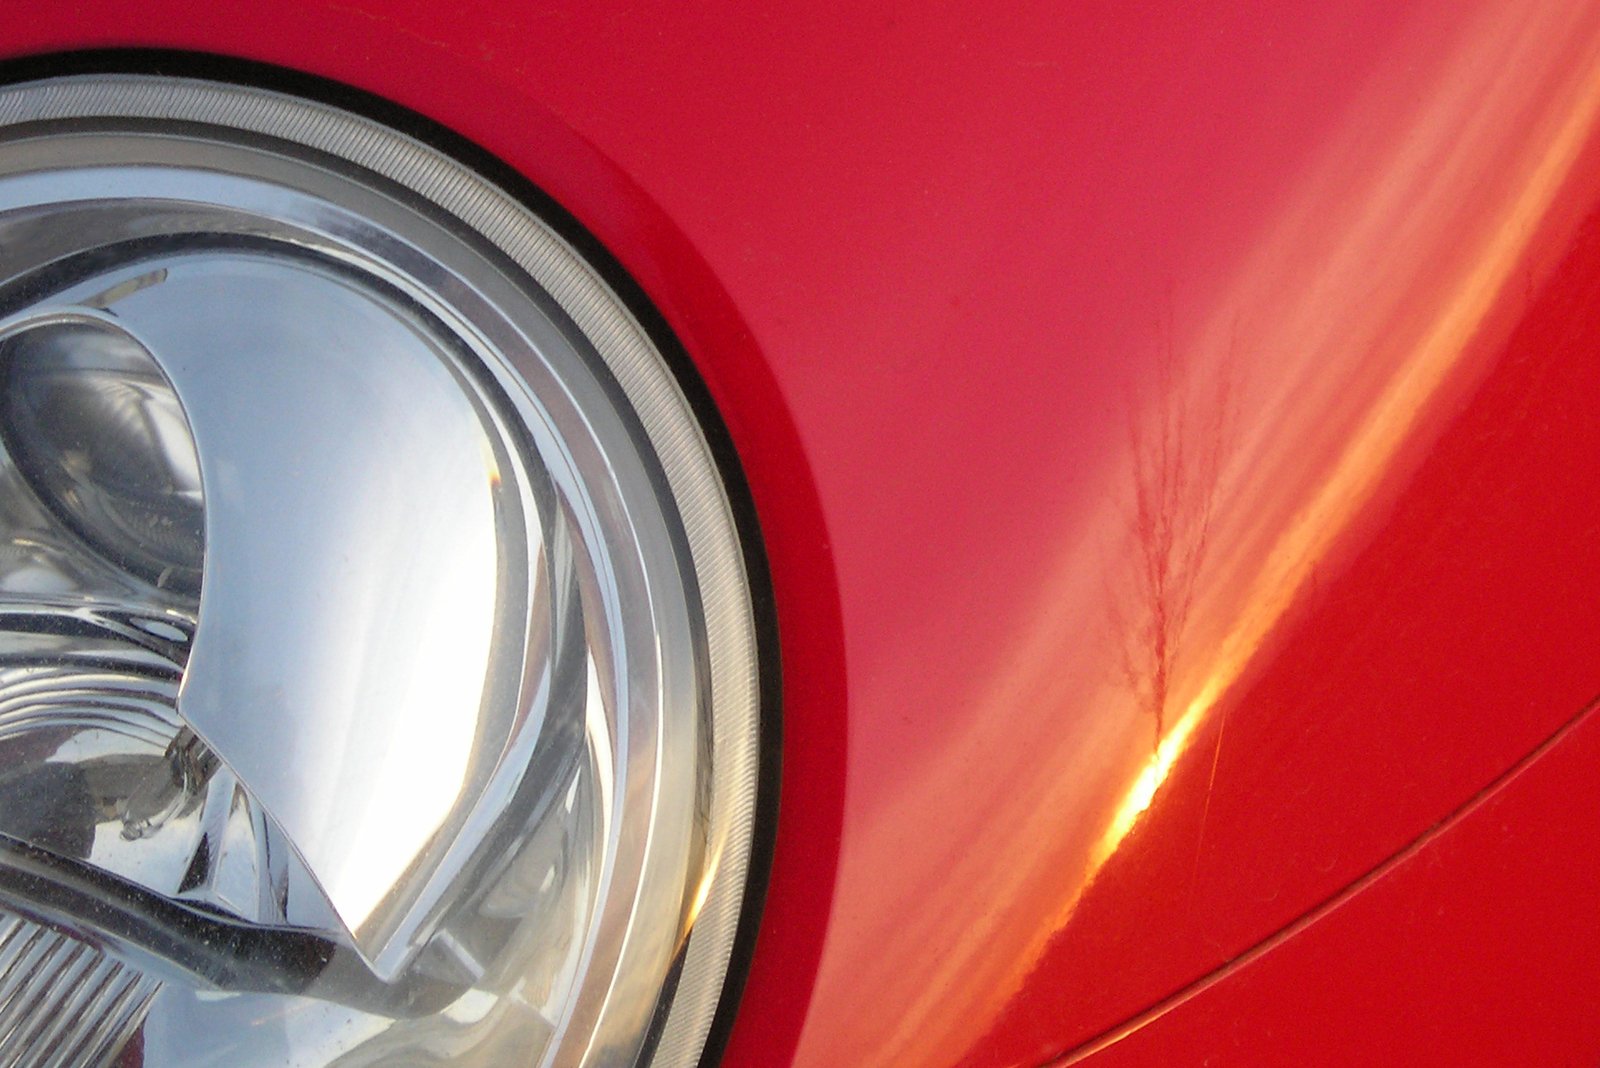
column 100, row 436
column 299, row 741
column 224, row 749
column 63, row 1002
column 98, row 767
column 356, row 668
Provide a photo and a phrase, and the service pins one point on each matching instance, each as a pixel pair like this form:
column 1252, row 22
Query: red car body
column 1173, row 433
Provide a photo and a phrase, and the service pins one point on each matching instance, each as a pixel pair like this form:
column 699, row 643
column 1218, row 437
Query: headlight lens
column 377, row 666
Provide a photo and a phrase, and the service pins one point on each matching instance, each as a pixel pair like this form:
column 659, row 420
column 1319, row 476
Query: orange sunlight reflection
column 1368, row 455
column 1364, row 306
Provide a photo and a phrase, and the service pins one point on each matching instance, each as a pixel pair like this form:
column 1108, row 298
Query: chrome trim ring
column 417, row 219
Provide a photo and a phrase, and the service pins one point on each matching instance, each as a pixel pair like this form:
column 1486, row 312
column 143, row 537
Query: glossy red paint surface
column 1466, row 951
column 1172, row 431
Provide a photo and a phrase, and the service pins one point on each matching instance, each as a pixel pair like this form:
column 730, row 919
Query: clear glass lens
column 98, row 433
column 361, row 700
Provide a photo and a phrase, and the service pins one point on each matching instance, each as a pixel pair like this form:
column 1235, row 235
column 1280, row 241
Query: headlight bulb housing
column 378, row 672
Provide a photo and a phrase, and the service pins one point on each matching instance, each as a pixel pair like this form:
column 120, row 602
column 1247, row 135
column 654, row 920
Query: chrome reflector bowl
column 377, row 665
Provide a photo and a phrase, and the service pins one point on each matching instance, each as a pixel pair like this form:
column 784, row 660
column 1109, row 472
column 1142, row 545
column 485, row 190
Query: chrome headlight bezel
column 440, row 213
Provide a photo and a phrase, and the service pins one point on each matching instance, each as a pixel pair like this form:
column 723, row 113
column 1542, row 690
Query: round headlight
column 377, row 657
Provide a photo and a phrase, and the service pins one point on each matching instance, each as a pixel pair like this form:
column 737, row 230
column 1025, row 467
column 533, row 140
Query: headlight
column 377, row 666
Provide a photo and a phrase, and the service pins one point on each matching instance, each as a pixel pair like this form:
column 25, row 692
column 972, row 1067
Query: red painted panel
column 1170, row 425
column 1461, row 614
column 1476, row 948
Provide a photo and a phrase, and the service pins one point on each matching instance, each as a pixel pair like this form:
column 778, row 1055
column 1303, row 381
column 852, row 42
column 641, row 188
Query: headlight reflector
column 372, row 617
